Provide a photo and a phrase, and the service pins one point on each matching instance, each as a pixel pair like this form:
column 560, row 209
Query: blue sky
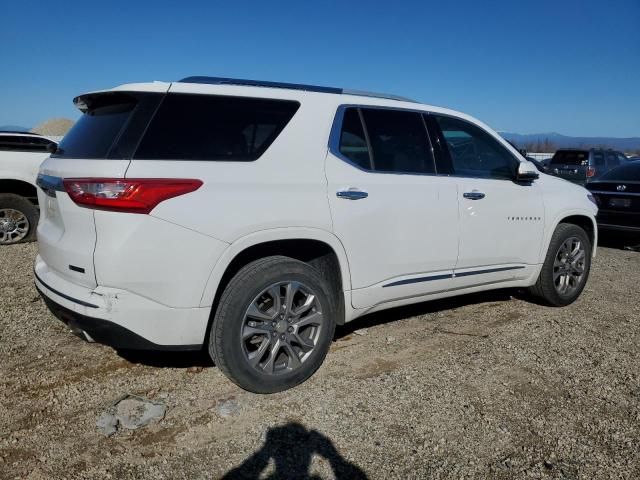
column 570, row 66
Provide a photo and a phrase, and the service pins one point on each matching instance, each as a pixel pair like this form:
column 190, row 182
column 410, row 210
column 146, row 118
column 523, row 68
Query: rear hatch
column 571, row 165
column 98, row 146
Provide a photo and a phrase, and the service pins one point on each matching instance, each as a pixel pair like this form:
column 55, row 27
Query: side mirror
column 52, row 147
column 527, row 172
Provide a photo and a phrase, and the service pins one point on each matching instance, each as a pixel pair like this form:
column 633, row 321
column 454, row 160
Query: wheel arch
column 318, row 247
column 19, row 187
column 582, row 219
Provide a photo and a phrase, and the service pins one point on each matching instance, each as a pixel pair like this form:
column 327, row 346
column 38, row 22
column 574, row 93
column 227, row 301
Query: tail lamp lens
column 131, row 195
column 591, row 172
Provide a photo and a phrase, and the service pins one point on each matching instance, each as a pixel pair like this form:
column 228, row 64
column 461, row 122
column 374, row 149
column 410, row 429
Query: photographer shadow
column 291, row 447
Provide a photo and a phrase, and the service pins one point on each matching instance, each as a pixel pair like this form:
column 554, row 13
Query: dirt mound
column 54, row 127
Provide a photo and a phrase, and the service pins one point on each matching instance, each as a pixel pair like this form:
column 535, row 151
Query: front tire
column 566, row 267
column 18, row 219
column 273, row 326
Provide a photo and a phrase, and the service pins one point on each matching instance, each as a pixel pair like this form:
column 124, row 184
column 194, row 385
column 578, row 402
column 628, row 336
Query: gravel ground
column 480, row 386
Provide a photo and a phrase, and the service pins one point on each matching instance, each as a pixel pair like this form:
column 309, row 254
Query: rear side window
column 97, row 130
column 206, row 127
column 573, row 157
column 398, row 141
column 353, row 143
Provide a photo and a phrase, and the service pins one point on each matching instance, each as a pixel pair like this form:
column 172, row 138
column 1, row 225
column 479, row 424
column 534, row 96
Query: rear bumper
column 615, row 220
column 119, row 318
column 620, row 228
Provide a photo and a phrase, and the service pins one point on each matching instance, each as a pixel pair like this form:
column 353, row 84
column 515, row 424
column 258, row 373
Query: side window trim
column 447, row 153
column 372, row 161
column 336, row 130
column 441, row 155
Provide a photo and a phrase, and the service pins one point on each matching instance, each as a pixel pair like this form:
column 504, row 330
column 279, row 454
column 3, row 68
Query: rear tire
column 566, row 267
column 18, row 219
column 274, row 325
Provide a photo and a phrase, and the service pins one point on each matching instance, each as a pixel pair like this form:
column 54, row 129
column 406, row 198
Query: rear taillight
column 132, row 195
column 591, row 172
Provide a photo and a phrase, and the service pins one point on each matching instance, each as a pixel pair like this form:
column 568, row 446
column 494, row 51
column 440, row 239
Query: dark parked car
column 617, row 194
column 584, row 165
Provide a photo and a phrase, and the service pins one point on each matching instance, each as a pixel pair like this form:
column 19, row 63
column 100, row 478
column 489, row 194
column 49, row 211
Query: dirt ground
column 482, row 386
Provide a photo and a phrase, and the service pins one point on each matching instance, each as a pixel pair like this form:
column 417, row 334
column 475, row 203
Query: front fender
column 559, row 217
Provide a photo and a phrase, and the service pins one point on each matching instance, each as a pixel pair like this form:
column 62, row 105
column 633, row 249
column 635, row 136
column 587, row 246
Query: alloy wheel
column 281, row 328
column 14, row 226
column 569, row 266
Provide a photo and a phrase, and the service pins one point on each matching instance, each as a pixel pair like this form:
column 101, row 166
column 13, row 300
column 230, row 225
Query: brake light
column 131, row 195
column 591, row 172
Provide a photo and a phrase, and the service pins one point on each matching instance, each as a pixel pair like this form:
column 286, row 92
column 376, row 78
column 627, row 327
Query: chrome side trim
column 490, row 270
column 451, row 275
column 419, row 280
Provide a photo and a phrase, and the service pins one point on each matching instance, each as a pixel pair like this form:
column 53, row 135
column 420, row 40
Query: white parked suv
column 252, row 217
column 20, row 157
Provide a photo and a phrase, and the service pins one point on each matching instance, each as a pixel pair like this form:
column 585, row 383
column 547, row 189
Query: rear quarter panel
column 285, row 187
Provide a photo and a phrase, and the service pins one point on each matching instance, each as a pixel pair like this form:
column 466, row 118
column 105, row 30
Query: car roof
column 281, row 90
column 290, row 86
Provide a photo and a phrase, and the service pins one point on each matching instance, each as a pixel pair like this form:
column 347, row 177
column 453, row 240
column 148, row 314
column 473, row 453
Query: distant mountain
column 13, row 128
column 563, row 141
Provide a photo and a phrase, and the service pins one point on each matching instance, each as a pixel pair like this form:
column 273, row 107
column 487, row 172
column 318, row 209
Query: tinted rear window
column 206, row 127
column 626, row 173
column 571, row 157
column 96, row 131
column 24, row 143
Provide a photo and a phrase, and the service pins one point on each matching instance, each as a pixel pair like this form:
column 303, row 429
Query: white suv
column 252, row 217
column 20, row 157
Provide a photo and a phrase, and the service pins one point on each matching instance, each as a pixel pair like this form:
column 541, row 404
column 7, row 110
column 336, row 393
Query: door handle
column 474, row 195
column 352, row 194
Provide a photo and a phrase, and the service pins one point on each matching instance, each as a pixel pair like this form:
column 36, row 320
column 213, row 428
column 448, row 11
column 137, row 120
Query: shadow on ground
column 432, row 306
column 291, row 448
column 198, row 358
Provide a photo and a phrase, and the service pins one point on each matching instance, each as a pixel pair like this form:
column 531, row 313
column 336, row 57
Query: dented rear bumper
column 120, row 318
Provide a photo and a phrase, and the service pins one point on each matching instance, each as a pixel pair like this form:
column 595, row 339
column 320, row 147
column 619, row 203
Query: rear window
column 571, row 157
column 24, row 143
column 629, row 172
column 97, row 130
column 206, row 127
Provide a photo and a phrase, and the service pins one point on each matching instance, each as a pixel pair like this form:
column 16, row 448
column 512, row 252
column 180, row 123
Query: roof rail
column 260, row 83
column 289, row 86
column 363, row 93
